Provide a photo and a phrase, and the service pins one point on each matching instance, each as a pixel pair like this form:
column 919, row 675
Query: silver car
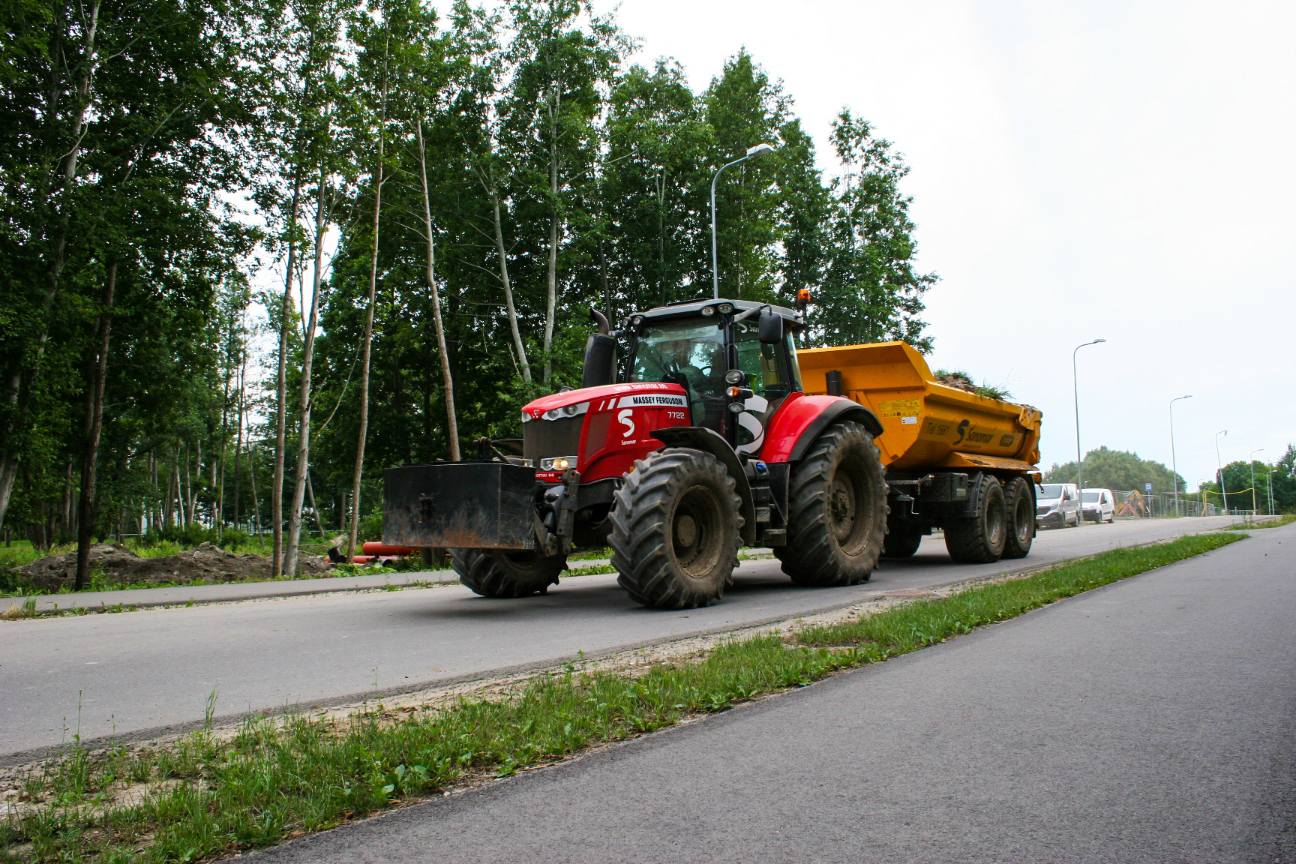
column 1057, row 505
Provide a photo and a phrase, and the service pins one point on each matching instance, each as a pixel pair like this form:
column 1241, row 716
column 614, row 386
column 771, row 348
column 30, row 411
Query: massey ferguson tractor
column 708, row 440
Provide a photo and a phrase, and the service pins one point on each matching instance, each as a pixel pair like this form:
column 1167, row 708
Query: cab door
column 771, row 378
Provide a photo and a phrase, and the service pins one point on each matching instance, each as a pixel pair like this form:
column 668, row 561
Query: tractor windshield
column 686, row 352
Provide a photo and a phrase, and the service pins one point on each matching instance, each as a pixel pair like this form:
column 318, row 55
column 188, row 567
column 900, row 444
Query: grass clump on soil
column 206, row 796
column 1284, row 519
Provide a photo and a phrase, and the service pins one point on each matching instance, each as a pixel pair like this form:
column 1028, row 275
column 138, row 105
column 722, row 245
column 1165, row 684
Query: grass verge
column 1284, row 519
column 206, row 796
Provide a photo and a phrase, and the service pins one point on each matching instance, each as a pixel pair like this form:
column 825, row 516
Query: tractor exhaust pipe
column 600, row 353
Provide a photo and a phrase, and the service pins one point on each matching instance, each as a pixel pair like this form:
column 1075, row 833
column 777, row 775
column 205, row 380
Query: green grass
column 1284, row 519
column 212, row 797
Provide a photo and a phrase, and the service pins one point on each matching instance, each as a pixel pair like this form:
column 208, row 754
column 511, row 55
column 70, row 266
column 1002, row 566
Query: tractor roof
column 693, row 308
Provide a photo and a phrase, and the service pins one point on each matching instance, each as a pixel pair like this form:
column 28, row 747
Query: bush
column 370, row 527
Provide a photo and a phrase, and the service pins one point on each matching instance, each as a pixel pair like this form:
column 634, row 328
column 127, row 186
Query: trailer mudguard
column 800, row 420
column 710, row 441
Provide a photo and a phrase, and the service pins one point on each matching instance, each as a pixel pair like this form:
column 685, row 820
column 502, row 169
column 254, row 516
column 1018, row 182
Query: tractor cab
column 735, row 359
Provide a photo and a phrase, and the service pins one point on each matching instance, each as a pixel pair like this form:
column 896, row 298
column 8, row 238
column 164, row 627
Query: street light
column 1075, row 387
column 1272, row 472
column 1174, row 467
column 1220, row 466
column 752, row 152
column 1251, row 459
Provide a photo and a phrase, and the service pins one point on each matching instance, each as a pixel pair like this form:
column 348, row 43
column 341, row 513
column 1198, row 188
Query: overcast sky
column 1079, row 170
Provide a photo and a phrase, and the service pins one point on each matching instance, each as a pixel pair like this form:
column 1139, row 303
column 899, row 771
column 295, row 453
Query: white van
column 1057, row 505
column 1098, row 505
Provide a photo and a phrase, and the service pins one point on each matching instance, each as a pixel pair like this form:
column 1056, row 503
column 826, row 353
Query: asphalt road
column 140, row 673
column 1150, row 721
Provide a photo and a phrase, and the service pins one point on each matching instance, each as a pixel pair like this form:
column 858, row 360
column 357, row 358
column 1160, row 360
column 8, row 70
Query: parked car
column 1057, row 505
column 1098, row 505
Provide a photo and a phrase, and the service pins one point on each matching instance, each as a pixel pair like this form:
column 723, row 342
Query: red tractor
column 705, row 442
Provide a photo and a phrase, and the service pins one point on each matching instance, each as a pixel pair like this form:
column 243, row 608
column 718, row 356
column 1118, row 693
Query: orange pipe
column 374, row 547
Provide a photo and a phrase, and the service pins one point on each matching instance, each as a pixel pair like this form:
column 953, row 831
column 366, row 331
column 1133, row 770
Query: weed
column 1284, row 519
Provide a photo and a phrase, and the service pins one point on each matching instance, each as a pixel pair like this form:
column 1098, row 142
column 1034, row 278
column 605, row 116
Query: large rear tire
column 675, row 529
column 1019, row 504
column 506, row 574
column 838, row 503
column 980, row 539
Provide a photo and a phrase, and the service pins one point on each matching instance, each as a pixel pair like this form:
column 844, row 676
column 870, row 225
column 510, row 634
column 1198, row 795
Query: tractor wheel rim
column 695, row 532
column 846, row 497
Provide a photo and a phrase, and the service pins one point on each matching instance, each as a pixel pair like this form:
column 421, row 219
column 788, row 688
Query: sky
column 1124, row 171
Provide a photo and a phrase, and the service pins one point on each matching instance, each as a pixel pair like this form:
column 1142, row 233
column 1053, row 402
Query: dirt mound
column 206, row 563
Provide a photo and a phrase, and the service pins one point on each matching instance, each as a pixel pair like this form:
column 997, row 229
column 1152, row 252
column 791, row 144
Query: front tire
column 979, row 539
column 506, row 574
column 838, row 503
column 1019, row 504
column 675, row 529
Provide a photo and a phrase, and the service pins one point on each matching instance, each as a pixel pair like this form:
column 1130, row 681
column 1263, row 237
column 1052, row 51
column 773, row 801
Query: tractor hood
column 569, row 403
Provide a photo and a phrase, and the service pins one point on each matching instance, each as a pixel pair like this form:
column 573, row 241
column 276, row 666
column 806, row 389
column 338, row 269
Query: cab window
column 763, row 363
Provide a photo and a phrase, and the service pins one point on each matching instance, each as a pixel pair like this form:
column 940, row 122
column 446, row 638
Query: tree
column 1117, row 469
column 872, row 291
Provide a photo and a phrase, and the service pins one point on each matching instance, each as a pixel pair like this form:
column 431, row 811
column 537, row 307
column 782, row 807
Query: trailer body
column 940, row 444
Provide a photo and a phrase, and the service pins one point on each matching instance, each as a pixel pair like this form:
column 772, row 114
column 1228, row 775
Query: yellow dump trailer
column 954, row 459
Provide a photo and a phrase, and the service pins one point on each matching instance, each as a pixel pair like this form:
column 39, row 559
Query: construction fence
column 1134, row 504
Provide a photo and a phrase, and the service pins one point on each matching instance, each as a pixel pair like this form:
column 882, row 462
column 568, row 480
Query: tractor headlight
column 725, row 308
column 735, row 377
column 708, row 311
column 557, row 463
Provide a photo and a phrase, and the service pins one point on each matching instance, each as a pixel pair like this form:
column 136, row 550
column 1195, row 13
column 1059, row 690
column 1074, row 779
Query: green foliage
column 963, row 381
column 1116, row 469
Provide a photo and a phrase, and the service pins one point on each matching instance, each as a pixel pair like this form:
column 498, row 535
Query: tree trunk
column 555, row 227
column 238, row 435
column 256, row 505
column 357, row 472
column 93, row 431
column 281, row 390
column 502, row 254
column 304, row 396
column 447, row 379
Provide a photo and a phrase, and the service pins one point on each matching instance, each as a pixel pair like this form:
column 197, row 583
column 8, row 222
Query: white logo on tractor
column 754, row 409
column 626, row 418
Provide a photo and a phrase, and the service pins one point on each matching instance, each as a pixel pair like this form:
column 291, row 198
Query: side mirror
column 771, row 327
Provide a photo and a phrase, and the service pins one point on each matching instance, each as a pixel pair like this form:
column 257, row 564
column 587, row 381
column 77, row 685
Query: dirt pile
column 206, row 563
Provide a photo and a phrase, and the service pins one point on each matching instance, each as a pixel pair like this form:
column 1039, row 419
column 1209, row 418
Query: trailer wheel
column 506, row 574
column 1019, row 504
column 979, row 539
column 902, row 540
column 838, row 499
column 675, row 529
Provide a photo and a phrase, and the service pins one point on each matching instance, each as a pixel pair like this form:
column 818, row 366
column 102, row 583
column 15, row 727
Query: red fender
column 801, row 418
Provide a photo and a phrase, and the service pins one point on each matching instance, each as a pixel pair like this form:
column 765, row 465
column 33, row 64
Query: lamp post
column 1272, row 472
column 1174, row 467
column 1251, row 459
column 752, row 152
column 1220, row 467
column 1075, row 388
